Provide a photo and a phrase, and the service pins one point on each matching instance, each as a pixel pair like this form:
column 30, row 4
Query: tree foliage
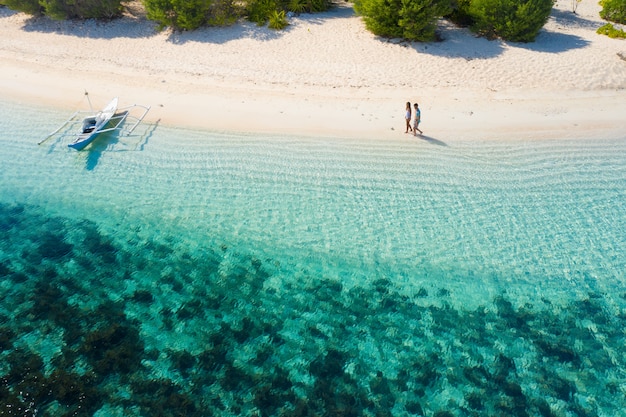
column 610, row 31
column 418, row 18
column 409, row 19
column 223, row 12
column 191, row 14
column 259, row 11
column 461, row 14
column 178, row 14
column 512, row 20
column 274, row 11
column 381, row 17
column 278, row 20
column 307, row 6
column 613, row 10
column 69, row 9
column 31, row 7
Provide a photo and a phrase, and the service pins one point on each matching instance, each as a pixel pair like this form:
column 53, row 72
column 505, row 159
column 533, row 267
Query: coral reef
column 87, row 325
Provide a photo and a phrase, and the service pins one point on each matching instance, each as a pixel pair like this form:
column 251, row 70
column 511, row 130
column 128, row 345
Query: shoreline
column 327, row 76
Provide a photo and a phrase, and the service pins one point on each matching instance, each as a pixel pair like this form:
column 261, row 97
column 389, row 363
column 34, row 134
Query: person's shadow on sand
column 431, row 140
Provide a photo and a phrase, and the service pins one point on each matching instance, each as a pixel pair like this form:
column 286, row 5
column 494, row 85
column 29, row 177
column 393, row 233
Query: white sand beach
column 326, row 75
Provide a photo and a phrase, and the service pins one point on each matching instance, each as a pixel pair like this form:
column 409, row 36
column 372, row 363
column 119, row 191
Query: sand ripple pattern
column 212, row 274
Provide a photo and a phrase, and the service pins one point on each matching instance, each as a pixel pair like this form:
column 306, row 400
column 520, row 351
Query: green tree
column 223, row 12
column 259, row 11
column 69, row 9
column 409, row 19
column 460, row 13
column 418, row 18
column 512, row 20
column 178, row 14
column 307, row 6
column 381, row 17
column 278, row 20
column 87, row 9
column 31, row 7
column 613, row 10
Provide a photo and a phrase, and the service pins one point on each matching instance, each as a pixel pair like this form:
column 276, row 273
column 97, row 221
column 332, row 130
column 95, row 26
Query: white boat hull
column 93, row 125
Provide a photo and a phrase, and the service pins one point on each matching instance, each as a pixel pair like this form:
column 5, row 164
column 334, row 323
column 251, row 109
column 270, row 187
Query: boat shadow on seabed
column 114, row 142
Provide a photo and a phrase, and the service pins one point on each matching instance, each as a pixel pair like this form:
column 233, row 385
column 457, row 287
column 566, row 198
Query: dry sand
column 326, row 75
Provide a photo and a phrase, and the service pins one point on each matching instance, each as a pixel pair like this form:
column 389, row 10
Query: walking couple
column 417, row 115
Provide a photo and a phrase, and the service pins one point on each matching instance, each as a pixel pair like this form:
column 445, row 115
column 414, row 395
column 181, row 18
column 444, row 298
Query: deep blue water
column 178, row 272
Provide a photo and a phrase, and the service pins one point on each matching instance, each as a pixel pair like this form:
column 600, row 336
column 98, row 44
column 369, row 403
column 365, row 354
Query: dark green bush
column 512, row 20
column 613, row 10
column 87, row 9
column 409, row 19
column 178, row 14
column 26, row 6
column 259, row 11
column 278, row 20
column 298, row 6
column 611, row 31
column 223, row 12
column 461, row 13
column 308, row 6
column 418, row 18
column 381, row 17
column 69, row 9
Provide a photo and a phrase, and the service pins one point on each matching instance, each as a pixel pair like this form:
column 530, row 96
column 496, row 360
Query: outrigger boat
column 94, row 125
column 110, row 118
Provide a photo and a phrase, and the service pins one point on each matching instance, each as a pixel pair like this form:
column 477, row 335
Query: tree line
column 415, row 20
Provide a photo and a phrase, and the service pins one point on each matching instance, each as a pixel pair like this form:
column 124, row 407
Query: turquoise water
column 178, row 272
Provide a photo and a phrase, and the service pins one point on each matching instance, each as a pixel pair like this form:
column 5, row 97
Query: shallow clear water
column 178, row 272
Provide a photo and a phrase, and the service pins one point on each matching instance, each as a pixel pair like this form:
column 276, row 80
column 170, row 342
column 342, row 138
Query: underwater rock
column 555, row 349
column 561, row 388
column 474, row 401
column 13, row 404
column 5, row 269
column 182, row 361
column 414, row 407
column 422, row 293
column 514, row 319
column 53, row 246
column 503, row 367
column 101, row 248
column 6, row 338
column 248, row 330
column 215, row 356
column 424, row 372
column 190, row 309
column 544, row 408
column 383, row 396
column 379, row 385
column 236, row 378
column 163, row 398
column 115, row 348
column 329, row 366
column 477, row 375
column 142, row 296
column 270, row 397
column 49, row 303
column 443, row 292
column 381, row 286
column 74, row 390
column 22, row 363
column 592, row 309
column 10, row 216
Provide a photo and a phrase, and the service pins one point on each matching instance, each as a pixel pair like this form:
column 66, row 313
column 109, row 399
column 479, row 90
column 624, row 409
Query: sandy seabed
column 326, row 75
